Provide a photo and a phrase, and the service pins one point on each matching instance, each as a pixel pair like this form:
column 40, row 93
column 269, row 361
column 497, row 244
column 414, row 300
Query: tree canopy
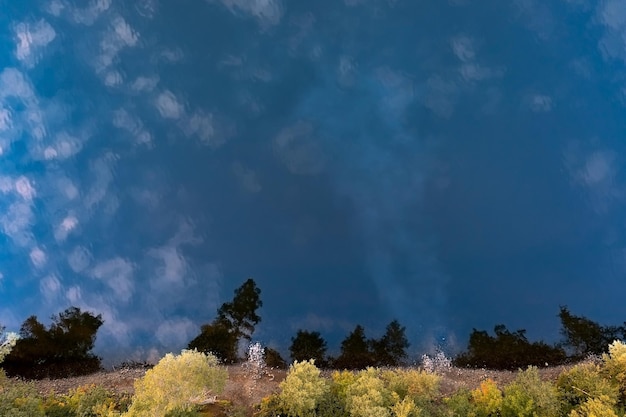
column 235, row 320
column 308, row 345
column 63, row 349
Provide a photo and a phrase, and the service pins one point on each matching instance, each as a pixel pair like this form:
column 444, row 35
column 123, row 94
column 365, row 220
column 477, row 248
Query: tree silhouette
column 217, row 338
column 235, row 320
column 60, row 351
column 507, row 350
column 241, row 312
column 390, row 350
column 308, row 345
column 583, row 336
column 355, row 351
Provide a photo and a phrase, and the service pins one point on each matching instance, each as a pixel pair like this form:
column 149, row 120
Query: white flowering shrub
column 255, row 365
column 7, row 345
column 438, row 363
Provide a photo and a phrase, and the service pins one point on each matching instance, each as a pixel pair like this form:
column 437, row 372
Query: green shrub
column 420, row 386
column 528, row 396
column 269, row 406
column 460, row 404
column 19, row 399
column 368, row 396
column 179, row 412
column 177, row 382
column 405, row 407
column 89, row 401
column 594, row 407
column 614, row 368
column 583, row 382
column 303, row 389
column 487, row 399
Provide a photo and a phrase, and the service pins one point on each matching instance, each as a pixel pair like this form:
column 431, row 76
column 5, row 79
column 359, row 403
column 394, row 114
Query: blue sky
column 446, row 163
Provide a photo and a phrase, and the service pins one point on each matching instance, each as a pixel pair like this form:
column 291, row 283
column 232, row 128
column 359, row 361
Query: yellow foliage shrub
column 177, row 382
column 303, row 389
column 487, row 399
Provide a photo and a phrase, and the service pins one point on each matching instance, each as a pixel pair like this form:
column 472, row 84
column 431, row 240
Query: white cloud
column 5, row 119
column 599, row 167
column 440, row 96
column 113, row 79
column 175, row 332
column 247, row 178
column 172, row 55
column 68, row 224
column 31, row 38
column 173, row 266
column 540, row 103
column 74, row 294
column 201, row 125
column 124, row 32
column 102, row 169
column 67, row 188
column 147, row 8
column 596, row 171
column 117, row 273
column 79, row 259
column 346, row 71
column 145, row 84
column 50, row 287
column 16, row 222
column 463, row 47
column 13, row 83
column 267, row 12
column 296, row 146
column 122, row 119
column 24, row 188
column 65, row 146
column 612, row 15
column 55, row 7
column 38, row 257
column 6, row 184
column 476, row 72
column 88, row 15
column 121, row 36
column 168, row 105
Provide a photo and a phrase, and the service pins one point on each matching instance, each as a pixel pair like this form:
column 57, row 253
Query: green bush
column 269, row 406
column 583, row 382
column 177, row 382
column 614, row 368
column 420, row 386
column 487, row 399
column 89, row 401
column 460, row 404
column 19, row 399
column 594, row 407
column 528, row 396
column 303, row 389
column 368, row 396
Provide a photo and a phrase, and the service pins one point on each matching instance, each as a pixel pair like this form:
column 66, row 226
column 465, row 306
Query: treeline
column 506, row 350
column 61, row 350
column 65, row 347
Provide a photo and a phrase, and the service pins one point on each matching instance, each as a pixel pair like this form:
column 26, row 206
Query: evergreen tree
column 308, row 345
column 355, row 351
column 390, row 350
